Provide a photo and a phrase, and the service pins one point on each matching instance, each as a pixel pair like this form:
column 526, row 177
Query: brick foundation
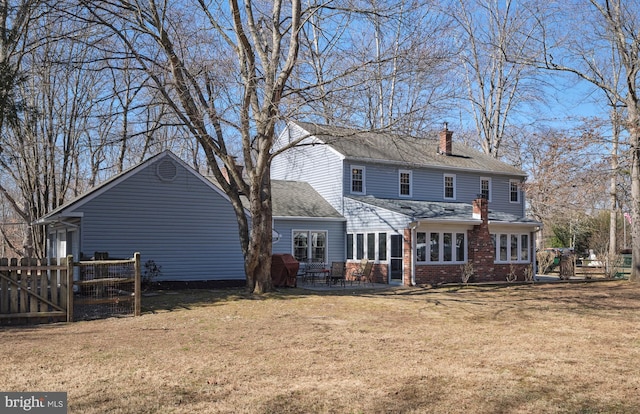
column 437, row 274
column 379, row 272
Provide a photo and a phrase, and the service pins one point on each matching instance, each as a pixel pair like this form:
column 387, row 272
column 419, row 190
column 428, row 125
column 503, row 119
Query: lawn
column 543, row 348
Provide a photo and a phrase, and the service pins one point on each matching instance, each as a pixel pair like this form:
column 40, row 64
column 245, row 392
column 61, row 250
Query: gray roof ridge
column 384, row 146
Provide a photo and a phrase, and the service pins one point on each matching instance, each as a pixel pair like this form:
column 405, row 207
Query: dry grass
column 556, row 348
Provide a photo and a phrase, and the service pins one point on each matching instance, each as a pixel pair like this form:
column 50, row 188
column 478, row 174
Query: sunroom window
column 511, row 247
column 441, row 247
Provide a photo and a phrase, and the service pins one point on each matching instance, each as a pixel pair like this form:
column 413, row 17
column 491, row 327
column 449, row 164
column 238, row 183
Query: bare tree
column 582, row 45
column 491, row 36
column 565, row 175
column 380, row 65
column 42, row 146
column 15, row 44
column 223, row 70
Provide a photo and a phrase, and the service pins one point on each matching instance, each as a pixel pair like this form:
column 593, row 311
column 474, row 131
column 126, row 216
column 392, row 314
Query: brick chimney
column 480, row 249
column 446, row 137
column 481, row 209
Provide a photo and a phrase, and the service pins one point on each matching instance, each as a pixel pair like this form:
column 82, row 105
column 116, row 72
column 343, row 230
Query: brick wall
column 480, row 248
column 481, row 253
column 379, row 272
column 436, row 274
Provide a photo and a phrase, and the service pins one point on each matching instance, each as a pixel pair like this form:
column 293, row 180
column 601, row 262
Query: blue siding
column 336, row 231
column 184, row 225
column 382, row 181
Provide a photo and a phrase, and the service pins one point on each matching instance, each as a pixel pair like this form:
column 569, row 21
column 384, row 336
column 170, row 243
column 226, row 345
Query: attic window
column 166, row 170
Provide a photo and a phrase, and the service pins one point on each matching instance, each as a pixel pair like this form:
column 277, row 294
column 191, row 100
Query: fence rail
column 32, row 291
column 108, row 287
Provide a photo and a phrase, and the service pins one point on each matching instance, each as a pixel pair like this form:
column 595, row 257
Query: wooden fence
column 33, row 291
column 108, row 287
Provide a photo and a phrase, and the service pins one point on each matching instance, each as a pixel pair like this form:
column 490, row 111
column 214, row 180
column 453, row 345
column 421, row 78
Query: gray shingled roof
column 405, row 150
column 299, row 199
column 422, row 210
column 295, row 199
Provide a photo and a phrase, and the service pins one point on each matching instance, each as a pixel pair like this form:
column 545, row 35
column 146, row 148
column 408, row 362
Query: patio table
column 317, row 273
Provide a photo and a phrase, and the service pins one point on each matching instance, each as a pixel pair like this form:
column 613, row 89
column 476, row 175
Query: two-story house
column 419, row 207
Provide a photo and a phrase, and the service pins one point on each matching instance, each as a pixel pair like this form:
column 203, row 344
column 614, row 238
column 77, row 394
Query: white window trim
column 517, row 183
column 444, row 187
column 365, row 245
column 496, row 237
column 440, row 260
column 400, row 172
column 490, row 190
column 364, row 179
column 309, row 244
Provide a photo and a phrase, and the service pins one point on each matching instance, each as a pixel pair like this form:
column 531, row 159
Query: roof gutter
column 534, row 224
column 57, row 218
column 473, row 222
column 303, row 218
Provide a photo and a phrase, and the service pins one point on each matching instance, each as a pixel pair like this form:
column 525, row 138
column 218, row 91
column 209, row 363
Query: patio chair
column 363, row 273
column 337, row 274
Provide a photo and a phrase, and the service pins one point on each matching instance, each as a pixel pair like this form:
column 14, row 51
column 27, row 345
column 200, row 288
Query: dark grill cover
column 284, row 270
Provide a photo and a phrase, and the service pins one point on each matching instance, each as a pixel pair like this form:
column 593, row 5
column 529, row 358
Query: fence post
column 69, row 288
column 138, row 285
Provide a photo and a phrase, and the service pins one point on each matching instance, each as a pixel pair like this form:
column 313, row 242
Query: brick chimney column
column 446, row 137
column 481, row 250
column 481, row 209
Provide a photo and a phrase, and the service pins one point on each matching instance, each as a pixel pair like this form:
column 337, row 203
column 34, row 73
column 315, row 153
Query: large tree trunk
column 613, row 186
column 634, row 141
column 258, row 257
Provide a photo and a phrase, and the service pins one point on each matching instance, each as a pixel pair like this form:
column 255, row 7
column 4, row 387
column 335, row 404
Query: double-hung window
column 357, row 180
column 441, row 247
column 485, row 188
column 449, row 186
column 310, row 246
column 404, row 177
column 514, row 191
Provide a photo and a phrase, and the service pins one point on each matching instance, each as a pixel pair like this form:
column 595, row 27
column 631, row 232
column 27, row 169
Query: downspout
column 534, row 256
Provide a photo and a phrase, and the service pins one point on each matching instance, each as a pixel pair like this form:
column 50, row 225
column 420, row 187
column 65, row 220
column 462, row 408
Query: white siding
column 319, row 165
column 363, row 217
